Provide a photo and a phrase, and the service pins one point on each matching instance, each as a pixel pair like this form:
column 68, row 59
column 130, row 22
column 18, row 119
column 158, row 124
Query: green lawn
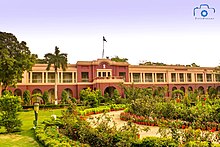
column 26, row 137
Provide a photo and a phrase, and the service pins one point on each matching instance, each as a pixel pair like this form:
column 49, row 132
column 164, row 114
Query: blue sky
column 140, row 30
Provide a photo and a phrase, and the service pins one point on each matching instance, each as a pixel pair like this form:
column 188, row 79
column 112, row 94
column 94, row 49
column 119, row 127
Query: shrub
column 45, row 97
column 9, row 106
column 27, row 97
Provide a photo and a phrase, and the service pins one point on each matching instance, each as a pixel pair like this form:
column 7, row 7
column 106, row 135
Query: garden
column 190, row 119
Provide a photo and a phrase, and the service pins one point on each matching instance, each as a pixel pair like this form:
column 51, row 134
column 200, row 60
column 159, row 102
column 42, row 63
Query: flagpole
column 103, row 50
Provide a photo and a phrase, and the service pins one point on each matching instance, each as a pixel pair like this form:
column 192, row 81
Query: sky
column 140, row 30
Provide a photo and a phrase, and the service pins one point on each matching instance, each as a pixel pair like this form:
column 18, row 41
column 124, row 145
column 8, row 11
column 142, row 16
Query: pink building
column 107, row 75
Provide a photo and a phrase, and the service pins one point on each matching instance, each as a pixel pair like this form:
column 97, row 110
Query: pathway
column 119, row 123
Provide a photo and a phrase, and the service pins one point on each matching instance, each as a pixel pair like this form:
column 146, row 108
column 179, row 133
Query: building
column 107, row 75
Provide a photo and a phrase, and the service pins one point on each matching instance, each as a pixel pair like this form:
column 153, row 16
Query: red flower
column 204, row 99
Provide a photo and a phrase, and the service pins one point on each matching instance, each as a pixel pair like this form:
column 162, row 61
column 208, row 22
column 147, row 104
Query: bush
column 45, row 97
column 155, row 141
column 9, row 106
column 27, row 97
column 64, row 97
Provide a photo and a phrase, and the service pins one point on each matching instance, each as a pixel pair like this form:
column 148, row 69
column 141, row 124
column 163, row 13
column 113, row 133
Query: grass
column 26, row 137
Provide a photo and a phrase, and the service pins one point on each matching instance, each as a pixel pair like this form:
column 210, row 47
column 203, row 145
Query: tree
column 64, row 96
column 27, row 97
column 59, row 60
column 15, row 58
column 117, row 59
column 9, row 106
column 45, row 97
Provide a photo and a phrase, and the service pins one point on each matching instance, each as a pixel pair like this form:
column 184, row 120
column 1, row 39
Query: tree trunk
column 56, row 78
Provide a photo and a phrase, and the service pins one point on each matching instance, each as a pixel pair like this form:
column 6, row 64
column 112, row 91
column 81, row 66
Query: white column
column 61, row 77
column 153, row 77
column 132, row 77
column 164, row 77
column 141, row 76
column 72, row 77
column 46, row 77
column 144, row 77
column 30, row 76
column 42, row 77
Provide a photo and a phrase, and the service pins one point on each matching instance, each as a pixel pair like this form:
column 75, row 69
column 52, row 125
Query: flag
column 104, row 39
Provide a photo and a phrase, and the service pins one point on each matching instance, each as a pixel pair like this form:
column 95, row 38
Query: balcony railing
column 109, row 79
column 36, row 80
column 67, row 80
column 85, row 80
column 51, row 80
column 136, row 80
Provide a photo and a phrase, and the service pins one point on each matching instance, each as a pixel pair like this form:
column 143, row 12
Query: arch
column 174, row 88
column 190, row 89
column 37, row 98
column 18, row 92
column 69, row 92
column 36, row 91
column 51, row 95
column 110, row 91
column 201, row 90
column 183, row 89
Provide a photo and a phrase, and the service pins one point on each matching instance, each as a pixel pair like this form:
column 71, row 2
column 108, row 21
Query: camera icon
column 204, row 10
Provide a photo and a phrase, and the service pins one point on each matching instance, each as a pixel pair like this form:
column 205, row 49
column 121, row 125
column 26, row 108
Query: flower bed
column 210, row 126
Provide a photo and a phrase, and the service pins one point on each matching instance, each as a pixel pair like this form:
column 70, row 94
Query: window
column 217, row 77
column 181, row 75
column 99, row 74
column 74, row 77
column 51, row 77
column 109, row 74
column 189, row 77
column 85, row 76
column 67, row 77
column 104, row 74
column 209, row 77
column 136, row 77
column 148, row 77
column 173, row 77
column 122, row 74
column 160, row 77
column 199, row 78
column 36, row 77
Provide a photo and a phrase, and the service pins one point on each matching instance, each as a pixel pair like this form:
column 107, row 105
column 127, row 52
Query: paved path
column 119, row 123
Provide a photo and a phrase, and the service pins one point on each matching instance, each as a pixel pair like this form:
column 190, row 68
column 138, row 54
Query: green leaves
column 15, row 58
column 57, row 59
column 9, row 106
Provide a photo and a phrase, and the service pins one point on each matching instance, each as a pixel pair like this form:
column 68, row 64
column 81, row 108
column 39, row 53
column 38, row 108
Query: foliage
column 90, row 97
column 49, row 136
column 9, row 106
column 36, row 96
column 15, row 58
column 45, row 97
column 27, row 97
column 155, row 141
column 117, row 59
column 64, row 97
column 6, row 92
column 177, row 94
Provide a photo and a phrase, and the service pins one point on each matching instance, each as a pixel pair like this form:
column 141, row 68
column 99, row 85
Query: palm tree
column 58, row 60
